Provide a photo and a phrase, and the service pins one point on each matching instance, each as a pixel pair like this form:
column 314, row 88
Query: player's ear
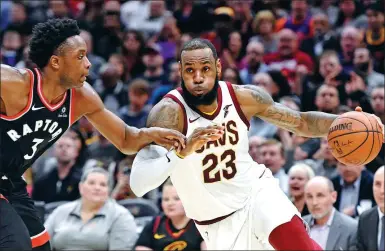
column 55, row 62
column 219, row 68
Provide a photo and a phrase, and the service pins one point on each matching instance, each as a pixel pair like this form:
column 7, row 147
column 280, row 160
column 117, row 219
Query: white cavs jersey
column 220, row 175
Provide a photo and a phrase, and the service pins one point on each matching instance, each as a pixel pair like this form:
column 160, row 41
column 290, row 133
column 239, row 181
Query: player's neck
column 208, row 109
column 52, row 90
column 179, row 222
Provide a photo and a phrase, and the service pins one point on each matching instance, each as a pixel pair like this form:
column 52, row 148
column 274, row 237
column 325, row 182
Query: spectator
column 300, row 20
column 111, row 89
column 299, row 175
column 191, row 13
column 263, row 25
column 371, row 223
column 98, row 221
column 118, row 61
column 243, row 17
column 374, row 37
column 58, row 9
column 350, row 15
column 353, row 186
column 232, row 53
column 289, row 58
column 325, row 162
column 19, row 20
column 132, row 50
column 232, row 75
column 96, row 61
column 327, row 99
column 363, row 65
column 325, row 7
column 60, row 183
column 331, row 229
column 103, row 151
column 173, row 230
column 136, row 112
column 253, row 62
column 377, row 101
column 11, row 48
column 272, row 156
column 254, row 148
column 153, row 61
column 350, row 40
column 133, row 12
column 323, row 39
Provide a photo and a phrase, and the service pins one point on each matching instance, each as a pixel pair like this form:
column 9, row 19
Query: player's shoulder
column 14, row 79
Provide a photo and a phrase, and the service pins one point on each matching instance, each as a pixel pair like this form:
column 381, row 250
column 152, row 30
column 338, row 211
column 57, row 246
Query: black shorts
column 25, row 208
column 13, row 232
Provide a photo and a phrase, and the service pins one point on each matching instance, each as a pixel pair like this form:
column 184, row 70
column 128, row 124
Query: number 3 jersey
column 219, row 177
column 26, row 135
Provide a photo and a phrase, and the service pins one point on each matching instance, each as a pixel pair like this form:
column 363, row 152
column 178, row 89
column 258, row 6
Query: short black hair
column 47, row 37
column 199, row 43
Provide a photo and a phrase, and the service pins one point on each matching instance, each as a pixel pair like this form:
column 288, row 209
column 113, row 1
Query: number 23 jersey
column 26, row 135
column 219, row 177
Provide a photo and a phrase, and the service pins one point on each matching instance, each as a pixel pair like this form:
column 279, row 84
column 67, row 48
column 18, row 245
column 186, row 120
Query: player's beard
column 206, row 99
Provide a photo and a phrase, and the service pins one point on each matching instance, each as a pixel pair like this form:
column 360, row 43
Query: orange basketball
column 355, row 138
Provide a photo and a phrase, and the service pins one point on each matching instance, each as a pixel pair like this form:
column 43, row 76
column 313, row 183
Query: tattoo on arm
column 166, row 115
column 317, row 123
column 259, row 95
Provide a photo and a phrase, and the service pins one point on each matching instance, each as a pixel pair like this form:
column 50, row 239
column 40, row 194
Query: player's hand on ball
column 359, row 109
column 167, row 138
column 200, row 137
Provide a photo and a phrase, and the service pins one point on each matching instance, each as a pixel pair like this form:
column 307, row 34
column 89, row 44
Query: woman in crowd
column 173, row 230
column 299, row 175
column 93, row 222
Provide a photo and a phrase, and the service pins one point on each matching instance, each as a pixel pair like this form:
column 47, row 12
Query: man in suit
column 331, row 229
column 354, row 189
column 370, row 234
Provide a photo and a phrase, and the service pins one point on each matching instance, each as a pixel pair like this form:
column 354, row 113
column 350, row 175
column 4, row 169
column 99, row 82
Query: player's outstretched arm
column 127, row 139
column 255, row 101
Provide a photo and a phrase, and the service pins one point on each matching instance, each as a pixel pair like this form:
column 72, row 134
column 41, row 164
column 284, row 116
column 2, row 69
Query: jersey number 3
column 228, row 173
column 34, row 148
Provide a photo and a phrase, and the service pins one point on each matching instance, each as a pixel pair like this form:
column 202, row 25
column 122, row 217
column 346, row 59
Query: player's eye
column 189, row 70
column 81, row 57
column 206, row 68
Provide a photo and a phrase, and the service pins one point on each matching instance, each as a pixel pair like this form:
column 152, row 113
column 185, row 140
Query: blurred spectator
column 327, row 99
column 153, row 61
column 254, row 148
column 232, row 53
column 281, row 84
column 118, row 61
column 110, row 39
column 356, row 93
column 232, row 75
column 350, row 40
column 377, row 101
column 136, row 112
column 173, row 230
column 11, row 47
column 363, row 65
column 133, row 12
column 300, row 20
column 325, row 7
column 132, row 50
column 243, row 17
column 189, row 14
column 61, row 182
column 350, row 14
column 325, row 162
column 95, row 60
column 371, row 223
column 288, row 59
column 174, row 80
column 111, row 89
column 299, row 175
column 98, row 221
column 323, row 39
column 6, row 7
column 374, row 37
column 19, row 20
column 103, row 150
column 58, row 9
column 272, row 156
column 354, row 189
column 154, row 21
column 331, row 229
column 253, row 62
column 263, row 25
column 122, row 189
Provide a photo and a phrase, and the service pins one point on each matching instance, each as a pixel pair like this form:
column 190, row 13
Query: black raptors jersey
column 25, row 136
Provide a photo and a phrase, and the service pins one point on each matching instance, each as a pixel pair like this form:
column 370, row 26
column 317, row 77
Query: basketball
column 355, row 138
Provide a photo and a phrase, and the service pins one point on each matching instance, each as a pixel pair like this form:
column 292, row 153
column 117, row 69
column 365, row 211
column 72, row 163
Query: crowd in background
column 321, row 55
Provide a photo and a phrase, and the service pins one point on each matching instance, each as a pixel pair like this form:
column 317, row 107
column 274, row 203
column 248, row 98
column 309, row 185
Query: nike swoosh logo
column 159, row 236
column 193, row 120
column 37, row 108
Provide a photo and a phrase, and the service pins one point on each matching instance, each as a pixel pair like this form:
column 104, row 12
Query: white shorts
column 249, row 228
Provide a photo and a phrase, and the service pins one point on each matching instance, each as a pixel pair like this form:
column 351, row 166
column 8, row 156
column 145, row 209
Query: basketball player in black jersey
column 36, row 107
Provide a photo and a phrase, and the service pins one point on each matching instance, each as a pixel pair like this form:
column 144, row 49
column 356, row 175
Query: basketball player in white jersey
column 235, row 202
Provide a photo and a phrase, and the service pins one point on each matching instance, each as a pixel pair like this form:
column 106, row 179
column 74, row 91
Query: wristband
column 179, row 155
